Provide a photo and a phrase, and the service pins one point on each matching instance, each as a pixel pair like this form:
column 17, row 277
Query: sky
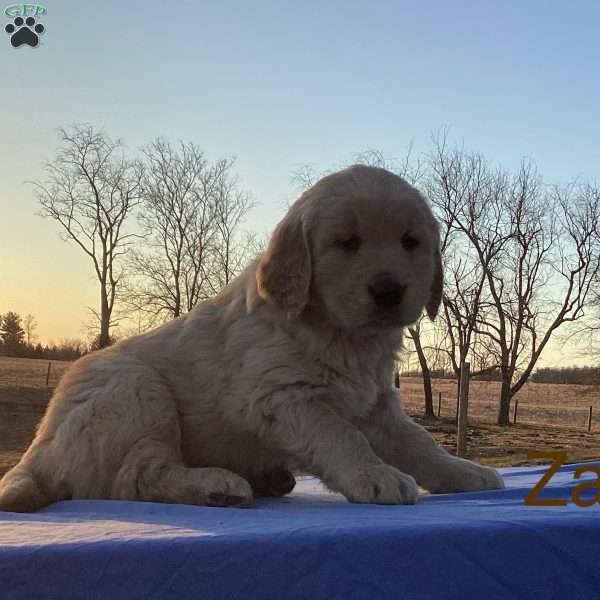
column 279, row 84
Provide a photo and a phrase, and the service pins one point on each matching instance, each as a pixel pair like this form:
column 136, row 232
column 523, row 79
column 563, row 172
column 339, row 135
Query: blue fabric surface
column 310, row 545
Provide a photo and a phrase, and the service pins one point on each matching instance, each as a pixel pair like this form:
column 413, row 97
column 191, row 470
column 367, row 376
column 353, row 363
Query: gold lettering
column 533, row 499
column 577, row 490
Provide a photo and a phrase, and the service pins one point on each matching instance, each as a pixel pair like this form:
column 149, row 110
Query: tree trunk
column 426, row 374
column 504, row 408
column 428, row 394
column 104, row 337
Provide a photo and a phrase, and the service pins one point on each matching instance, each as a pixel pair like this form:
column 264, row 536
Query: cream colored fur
column 289, row 368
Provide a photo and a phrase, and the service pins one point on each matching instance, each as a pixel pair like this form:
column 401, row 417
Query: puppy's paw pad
column 383, row 484
column 225, row 488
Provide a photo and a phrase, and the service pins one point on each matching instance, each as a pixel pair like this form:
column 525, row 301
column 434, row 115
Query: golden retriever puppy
column 290, row 367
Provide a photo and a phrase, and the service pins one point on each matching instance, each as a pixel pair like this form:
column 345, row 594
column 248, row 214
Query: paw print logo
column 24, row 32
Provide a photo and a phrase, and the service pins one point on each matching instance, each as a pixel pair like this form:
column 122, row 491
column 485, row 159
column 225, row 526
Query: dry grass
column 538, row 403
column 30, row 372
column 23, row 399
column 557, row 415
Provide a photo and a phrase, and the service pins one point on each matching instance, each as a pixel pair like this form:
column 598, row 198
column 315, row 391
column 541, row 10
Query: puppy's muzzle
column 386, row 292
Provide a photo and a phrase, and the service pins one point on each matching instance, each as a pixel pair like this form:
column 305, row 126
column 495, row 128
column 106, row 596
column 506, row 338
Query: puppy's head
column 361, row 247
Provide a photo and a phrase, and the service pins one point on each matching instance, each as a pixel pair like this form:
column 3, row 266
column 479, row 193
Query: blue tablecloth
column 310, row 545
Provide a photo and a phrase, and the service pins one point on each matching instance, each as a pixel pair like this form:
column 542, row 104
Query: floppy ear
column 284, row 270
column 437, row 286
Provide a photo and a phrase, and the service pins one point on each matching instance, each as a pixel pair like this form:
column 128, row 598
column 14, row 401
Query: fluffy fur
column 290, row 367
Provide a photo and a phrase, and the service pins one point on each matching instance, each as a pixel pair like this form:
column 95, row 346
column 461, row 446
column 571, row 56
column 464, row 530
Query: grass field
column 538, row 403
column 550, row 417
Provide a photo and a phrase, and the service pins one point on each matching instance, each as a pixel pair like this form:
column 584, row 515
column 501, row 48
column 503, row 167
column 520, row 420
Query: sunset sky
column 277, row 84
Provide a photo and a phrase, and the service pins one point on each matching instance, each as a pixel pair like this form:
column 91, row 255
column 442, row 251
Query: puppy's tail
column 19, row 491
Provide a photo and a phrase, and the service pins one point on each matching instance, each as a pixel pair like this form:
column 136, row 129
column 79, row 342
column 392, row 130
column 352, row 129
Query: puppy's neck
column 350, row 350
column 338, row 347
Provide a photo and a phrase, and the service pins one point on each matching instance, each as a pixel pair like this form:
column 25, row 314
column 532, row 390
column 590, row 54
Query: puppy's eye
column 351, row 244
column 409, row 242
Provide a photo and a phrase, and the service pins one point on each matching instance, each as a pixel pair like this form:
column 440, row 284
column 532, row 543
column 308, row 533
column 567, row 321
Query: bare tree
column 549, row 265
column 409, row 166
column 90, row 190
column 510, row 318
column 305, row 175
column 589, row 328
column 30, row 325
column 534, row 251
column 177, row 217
column 190, row 215
column 592, row 327
column 231, row 249
column 464, row 191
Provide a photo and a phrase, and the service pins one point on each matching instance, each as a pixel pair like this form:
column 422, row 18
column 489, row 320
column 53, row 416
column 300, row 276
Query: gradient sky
column 278, row 84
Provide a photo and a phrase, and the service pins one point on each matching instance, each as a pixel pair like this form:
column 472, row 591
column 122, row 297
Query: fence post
column 463, row 408
column 590, row 419
column 457, row 400
column 439, row 402
column 48, row 381
column 516, row 408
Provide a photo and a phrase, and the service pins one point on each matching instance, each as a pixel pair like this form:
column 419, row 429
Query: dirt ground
column 508, row 446
column 24, row 396
column 21, row 409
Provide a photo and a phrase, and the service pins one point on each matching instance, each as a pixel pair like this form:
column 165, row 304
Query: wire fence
column 536, row 404
column 31, row 373
column 553, row 404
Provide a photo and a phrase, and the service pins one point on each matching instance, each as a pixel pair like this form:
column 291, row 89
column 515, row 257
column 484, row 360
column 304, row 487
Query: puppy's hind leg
column 273, row 483
column 153, row 471
column 152, row 467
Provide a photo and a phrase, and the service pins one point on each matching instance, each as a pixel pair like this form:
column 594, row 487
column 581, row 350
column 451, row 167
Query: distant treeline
column 487, row 375
column 17, row 339
column 580, row 375
column 567, row 375
column 62, row 351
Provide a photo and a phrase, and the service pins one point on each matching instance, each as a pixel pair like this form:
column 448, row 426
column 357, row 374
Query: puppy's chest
column 351, row 393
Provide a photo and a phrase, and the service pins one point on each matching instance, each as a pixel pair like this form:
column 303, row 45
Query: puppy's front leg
column 335, row 450
column 401, row 442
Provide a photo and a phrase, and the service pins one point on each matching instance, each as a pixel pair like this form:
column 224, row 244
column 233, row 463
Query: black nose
column 386, row 292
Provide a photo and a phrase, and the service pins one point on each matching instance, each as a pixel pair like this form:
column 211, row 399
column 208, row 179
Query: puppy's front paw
column 491, row 479
column 462, row 475
column 224, row 488
column 381, row 484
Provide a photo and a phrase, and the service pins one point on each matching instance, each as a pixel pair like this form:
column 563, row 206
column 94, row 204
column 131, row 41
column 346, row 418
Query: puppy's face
column 372, row 260
column 360, row 248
